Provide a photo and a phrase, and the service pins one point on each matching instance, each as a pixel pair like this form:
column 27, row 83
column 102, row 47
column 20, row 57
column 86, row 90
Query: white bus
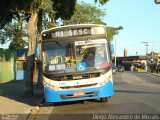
column 76, row 63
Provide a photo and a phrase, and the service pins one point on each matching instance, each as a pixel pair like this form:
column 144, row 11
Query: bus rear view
column 76, row 63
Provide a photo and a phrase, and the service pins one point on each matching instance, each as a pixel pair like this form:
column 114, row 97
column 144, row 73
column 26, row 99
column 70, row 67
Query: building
column 20, row 62
column 7, row 65
column 12, row 65
column 138, row 62
column 129, row 61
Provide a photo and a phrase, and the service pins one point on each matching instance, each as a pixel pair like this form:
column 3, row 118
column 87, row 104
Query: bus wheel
column 105, row 99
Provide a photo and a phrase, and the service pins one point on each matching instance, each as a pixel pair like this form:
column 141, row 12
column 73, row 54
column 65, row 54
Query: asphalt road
column 135, row 93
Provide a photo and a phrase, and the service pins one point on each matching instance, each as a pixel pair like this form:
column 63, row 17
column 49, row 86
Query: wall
column 7, row 65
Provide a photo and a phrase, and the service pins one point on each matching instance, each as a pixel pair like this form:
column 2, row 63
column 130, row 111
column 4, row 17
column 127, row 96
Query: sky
column 141, row 23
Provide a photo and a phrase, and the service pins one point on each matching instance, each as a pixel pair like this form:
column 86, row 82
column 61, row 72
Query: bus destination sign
column 71, row 32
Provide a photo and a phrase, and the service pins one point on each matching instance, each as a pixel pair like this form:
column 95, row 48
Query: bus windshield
column 78, row 56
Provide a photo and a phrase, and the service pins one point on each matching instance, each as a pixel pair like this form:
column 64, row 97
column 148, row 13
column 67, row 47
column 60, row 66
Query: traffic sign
column 81, row 66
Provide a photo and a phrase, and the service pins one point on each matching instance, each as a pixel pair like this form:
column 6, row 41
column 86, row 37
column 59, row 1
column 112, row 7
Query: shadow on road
column 15, row 90
column 71, row 103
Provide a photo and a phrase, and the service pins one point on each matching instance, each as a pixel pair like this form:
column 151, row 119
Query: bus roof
column 74, row 25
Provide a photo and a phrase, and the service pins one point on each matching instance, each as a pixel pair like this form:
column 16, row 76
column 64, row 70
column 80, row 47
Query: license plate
column 77, row 94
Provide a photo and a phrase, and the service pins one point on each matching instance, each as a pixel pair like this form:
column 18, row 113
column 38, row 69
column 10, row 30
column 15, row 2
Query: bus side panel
column 55, row 96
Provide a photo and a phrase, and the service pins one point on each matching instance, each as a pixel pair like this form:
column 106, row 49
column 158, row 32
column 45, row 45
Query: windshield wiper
column 59, row 44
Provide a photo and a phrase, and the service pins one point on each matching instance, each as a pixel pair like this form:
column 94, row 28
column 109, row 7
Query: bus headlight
column 56, row 88
column 50, row 86
column 103, row 83
column 53, row 87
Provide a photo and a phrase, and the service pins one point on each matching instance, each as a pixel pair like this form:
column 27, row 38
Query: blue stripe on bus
column 54, row 96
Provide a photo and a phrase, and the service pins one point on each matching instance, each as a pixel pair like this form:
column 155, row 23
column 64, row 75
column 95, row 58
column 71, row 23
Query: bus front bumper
column 89, row 93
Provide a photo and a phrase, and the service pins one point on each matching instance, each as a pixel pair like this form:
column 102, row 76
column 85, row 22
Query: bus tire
column 105, row 99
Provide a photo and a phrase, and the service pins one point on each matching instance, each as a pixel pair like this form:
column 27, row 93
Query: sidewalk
column 13, row 100
column 155, row 74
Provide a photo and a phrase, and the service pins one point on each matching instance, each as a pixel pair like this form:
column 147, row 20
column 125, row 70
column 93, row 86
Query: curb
column 35, row 110
column 154, row 74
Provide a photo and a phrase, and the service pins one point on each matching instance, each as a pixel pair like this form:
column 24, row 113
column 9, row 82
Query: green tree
column 14, row 32
column 86, row 13
column 111, row 31
column 18, row 41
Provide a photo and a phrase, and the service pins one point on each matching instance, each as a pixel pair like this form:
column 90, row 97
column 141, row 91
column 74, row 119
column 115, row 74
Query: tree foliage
column 111, row 31
column 48, row 21
column 9, row 8
column 102, row 2
column 18, row 41
column 14, row 32
column 86, row 13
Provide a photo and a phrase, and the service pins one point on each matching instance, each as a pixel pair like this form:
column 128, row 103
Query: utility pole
column 146, row 44
column 115, row 55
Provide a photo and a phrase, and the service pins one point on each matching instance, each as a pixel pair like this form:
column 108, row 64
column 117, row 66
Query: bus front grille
column 73, row 77
column 79, row 86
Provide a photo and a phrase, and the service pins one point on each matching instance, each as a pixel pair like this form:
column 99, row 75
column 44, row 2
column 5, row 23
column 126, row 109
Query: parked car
column 121, row 69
